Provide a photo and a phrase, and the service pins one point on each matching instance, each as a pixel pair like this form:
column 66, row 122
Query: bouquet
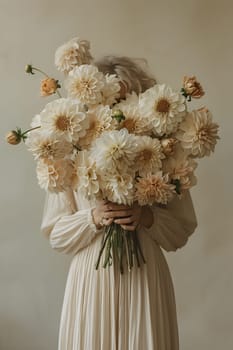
column 142, row 149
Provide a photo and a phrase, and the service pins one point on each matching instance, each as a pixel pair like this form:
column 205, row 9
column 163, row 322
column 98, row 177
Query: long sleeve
column 69, row 230
column 174, row 223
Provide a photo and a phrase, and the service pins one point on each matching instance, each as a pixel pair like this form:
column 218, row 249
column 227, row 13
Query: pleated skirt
column 106, row 310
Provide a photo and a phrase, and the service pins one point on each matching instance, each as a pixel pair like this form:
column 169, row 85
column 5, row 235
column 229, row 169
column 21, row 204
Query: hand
column 138, row 215
column 106, row 212
column 99, row 214
column 129, row 217
column 133, row 218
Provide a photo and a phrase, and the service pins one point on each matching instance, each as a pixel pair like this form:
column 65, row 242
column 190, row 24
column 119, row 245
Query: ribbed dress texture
column 106, row 310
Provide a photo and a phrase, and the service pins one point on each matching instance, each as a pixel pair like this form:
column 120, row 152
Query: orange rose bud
column 13, row 137
column 192, row 87
column 49, row 86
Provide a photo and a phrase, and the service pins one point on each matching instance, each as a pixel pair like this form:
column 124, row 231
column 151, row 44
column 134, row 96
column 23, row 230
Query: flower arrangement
column 141, row 149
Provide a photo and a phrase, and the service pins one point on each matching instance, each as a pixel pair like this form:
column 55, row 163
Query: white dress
column 102, row 309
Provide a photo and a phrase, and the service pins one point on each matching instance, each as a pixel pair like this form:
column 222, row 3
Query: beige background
column 177, row 37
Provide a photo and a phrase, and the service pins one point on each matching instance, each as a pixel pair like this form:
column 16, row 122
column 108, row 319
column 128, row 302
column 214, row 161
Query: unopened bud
column 13, row 137
column 118, row 115
column 29, row 69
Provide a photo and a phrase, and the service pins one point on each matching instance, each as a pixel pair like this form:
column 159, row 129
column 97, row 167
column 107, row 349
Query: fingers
column 128, row 223
column 131, row 227
column 117, row 214
column 123, row 221
column 117, row 207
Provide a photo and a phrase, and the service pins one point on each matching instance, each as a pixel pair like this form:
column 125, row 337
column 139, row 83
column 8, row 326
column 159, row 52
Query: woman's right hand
column 99, row 213
column 106, row 212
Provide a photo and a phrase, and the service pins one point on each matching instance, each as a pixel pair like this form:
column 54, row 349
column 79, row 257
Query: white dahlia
column 181, row 167
column 165, row 108
column 55, row 175
column 36, row 121
column 148, row 156
column 73, row 53
column 135, row 122
column 198, row 134
column 87, row 179
column 118, row 188
column 100, row 120
column 154, row 188
column 47, row 147
column 111, row 90
column 114, row 151
column 85, row 83
column 64, row 118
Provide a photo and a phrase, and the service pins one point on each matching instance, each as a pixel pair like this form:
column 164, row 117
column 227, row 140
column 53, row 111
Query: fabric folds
column 102, row 309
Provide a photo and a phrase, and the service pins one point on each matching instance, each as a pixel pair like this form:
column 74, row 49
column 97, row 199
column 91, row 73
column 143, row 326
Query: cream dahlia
column 118, row 188
column 165, row 108
column 100, row 120
column 111, row 90
column 181, row 167
column 87, row 178
column 64, row 118
column 85, row 83
column 47, row 147
column 73, row 53
column 55, row 176
column 36, row 121
column 135, row 122
column 148, row 155
column 198, row 134
column 154, row 188
column 114, row 151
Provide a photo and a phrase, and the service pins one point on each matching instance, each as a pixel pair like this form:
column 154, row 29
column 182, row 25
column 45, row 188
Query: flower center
column 92, row 125
column 145, row 155
column 162, row 106
column 62, row 123
column 114, row 150
column 129, row 124
column 84, row 85
column 47, row 147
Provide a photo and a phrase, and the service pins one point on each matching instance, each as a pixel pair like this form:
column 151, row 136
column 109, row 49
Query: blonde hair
column 128, row 70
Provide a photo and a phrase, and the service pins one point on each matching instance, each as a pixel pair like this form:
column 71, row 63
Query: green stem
column 121, row 255
column 108, row 256
column 104, row 241
column 129, row 241
column 39, row 70
column 25, row 132
column 135, row 247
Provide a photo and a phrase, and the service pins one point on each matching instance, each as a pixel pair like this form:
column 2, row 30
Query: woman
column 102, row 309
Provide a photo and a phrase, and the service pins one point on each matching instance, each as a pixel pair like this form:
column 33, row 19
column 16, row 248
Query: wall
column 177, row 37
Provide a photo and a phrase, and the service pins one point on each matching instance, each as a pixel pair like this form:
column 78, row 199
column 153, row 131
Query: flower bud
column 29, row 69
column 192, row 87
column 118, row 115
column 13, row 137
column 168, row 146
column 49, row 86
